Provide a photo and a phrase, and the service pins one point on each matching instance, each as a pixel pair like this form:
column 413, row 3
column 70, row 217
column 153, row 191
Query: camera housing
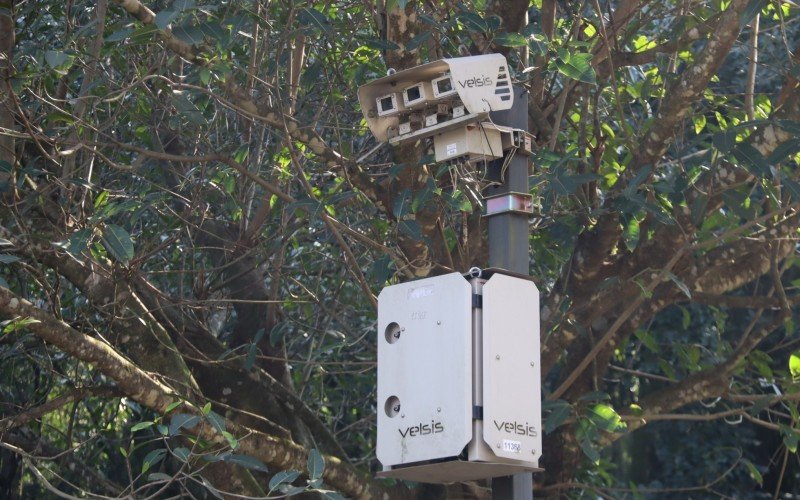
column 470, row 87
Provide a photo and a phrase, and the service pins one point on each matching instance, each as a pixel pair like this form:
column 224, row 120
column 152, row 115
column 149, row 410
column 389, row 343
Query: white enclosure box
column 476, row 141
column 480, row 83
column 459, row 387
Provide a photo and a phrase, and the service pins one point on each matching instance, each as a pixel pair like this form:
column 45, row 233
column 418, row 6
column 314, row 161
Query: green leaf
column 314, row 18
column 216, row 420
column 246, row 461
column 59, row 61
column 752, row 159
column 510, row 40
column 315, row 464
column 282, row 477
column 790, row 438
column 232, row 442
column 418, row 40
column 647, row 339
column 794, row 366
column 680, row 284
column 760, row 404
column 158, row 476
column 750, row 12
column 698, row 210
column 783, row 151
column 211, row 488
column 152, row 458
column 278, row 332
column 17, row 323
column 790, row 126
column 560, row 411
column 585, row 434
column 181, row 420
column 606, row 418
column 141, row 425
column 164, row 18
column 172, row 406
column 576, row 66
column 793, row 188
column 250, row 359
column 724, row 141
column 423, row 196
column 632, row 234
column 120, row 35
column 182, row 453
column 7, row 258
column 473, row 22
column 193, row 35
column 380, row 44
column 118, row 243
column 410, row 228
column 331, row 495
column 754, row 473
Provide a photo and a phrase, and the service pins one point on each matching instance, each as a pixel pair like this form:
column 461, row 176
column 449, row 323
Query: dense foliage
column 196, row 221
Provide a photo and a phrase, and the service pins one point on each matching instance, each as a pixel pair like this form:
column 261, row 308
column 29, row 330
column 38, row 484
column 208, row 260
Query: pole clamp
column 519, row 203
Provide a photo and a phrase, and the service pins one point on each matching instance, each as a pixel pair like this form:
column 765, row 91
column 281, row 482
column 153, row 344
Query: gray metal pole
column 509, row 249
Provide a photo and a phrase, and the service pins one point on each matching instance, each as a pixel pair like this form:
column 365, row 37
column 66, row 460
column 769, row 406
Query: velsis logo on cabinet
column 422, row 429
column 515, row 427
column 503, row 86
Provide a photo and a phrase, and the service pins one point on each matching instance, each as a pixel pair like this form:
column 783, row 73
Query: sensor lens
column 413, row 94
column 445, row 85
column 386, row 104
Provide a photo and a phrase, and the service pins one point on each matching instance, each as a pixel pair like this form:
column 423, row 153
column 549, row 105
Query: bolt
column 497, row 356
column 438, row 410
column 533, row 452
column 402, row 415
column 532, row 363
column 498, row 445
column 438, row 322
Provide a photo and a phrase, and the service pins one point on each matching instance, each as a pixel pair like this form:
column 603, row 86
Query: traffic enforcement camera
column 448, row 100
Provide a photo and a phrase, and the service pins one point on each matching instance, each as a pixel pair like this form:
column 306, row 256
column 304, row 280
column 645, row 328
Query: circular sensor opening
column 393, row 332
column 392, row 406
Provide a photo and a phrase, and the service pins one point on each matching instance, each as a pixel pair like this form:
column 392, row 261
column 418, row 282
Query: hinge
column 477, row 301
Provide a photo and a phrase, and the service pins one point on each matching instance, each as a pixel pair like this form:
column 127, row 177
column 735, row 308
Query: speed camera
column 433, row 98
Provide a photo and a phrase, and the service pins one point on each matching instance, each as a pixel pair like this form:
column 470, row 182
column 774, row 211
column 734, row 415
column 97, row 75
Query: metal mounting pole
column 509, row 248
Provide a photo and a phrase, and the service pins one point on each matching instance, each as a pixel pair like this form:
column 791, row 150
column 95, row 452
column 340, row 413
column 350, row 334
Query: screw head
column 497, row 356
column 532, row 363
column 438, row 322
column 402, row 415
column 498, row 445
column 439, row 410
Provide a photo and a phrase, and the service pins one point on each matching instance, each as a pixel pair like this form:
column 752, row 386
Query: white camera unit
column 459, row 386
column 417, row 95
column 443, row 86
column 470, row 87
column 388, row 105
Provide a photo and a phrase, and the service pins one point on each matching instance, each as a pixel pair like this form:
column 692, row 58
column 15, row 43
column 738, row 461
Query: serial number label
column 512, row 446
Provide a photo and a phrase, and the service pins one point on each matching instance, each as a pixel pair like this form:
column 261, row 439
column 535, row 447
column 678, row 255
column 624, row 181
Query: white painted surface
column 428, row 368
column 512, row 408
